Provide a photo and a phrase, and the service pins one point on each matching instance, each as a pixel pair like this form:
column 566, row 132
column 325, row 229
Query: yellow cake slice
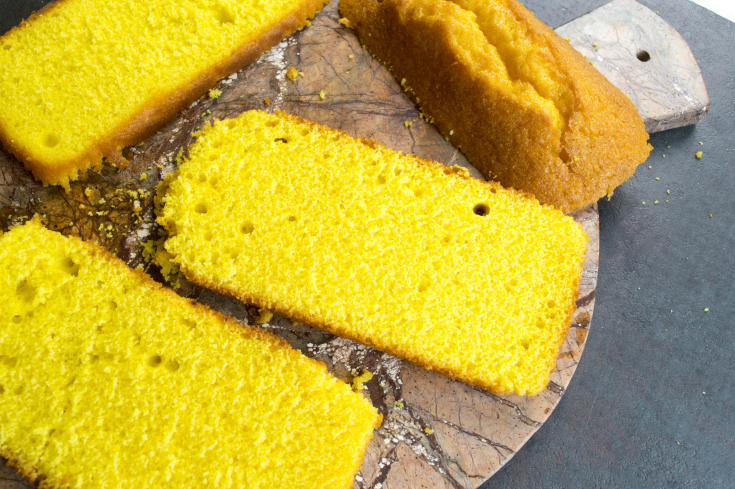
column 83, row 78
column 403, row 254
column 109, row 380
column 526, row 108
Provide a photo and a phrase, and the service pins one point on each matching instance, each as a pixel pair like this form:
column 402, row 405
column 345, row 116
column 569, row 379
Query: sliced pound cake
column 109, row 380
column 403, row 254
column 526, row 108
column 83, row 78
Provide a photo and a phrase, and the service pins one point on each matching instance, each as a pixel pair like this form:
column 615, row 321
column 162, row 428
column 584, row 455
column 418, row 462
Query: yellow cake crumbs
column 668, row 147
column 668, row 191
column 595, row 45
column 701, row 143
column 657, row 178
column 264, row 316
column 267, row 101
column 644, row 202
column 87, row 192
column 292, row 74
column 345, row 22
column 109, row 235
column 358, row 383
column 351, row 56
column 655, row 201
column 710, row 215
column 567, row 40
column 706, row 309
column 451, row 133
column 102, row 201
column 698, row 154
column 398, row 403
column 408, row 123
column 403, row 81
column 215, row 93
column 428, row 431
column 154, row 252
column 308, row 23
column 321, row 95
column 143, row 176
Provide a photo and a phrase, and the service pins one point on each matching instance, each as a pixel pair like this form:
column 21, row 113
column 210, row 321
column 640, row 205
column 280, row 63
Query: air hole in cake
column 25, row 291
column 2, row 389
column 493, row 190
column 38, row 101
column 381, row 180
column 448, row 171
column 231, row 123
column 418, row 192
column 9, row 362
column 481, row 210
column 17, row 319
column 551, row 304
column 208, row 235
column 247, row 227
column 94, row 358
column 172, row 365
column 643, row 55
column 189, row 323
column 271, row 123
column 291, row 218
column 216, row 144
column 280, row 140
column 7, row 47
column 70, row 267
column 525, row 344
column 446, row 240
column 234, row 254
column 564, row 156
column 327, row 156
column 50, row 140
column 202, row 177
column 213, row 157
column 201, row 208
column 214, row 181
column 155, row 361
column 424, row 286
column 18, row 390
column 513, row 282
column 540, row 323
column 304, row 132
column 397, row 172
column 223, row 15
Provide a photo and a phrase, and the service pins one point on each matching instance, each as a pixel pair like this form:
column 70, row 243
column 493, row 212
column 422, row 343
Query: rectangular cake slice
column 109, row 380
column 414, row 258
column 83, row 78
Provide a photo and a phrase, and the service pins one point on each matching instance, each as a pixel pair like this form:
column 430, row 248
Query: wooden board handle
column 644, row 57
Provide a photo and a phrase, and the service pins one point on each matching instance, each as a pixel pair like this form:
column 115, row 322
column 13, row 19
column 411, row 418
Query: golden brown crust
column 158, row 110
column 507, row 140
column 344, row 330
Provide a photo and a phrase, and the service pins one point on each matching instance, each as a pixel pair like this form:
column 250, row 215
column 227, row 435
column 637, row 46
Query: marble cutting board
column 436, row 432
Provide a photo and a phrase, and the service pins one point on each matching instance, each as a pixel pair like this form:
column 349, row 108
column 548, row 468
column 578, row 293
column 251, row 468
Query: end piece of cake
column 524, row 106
column 411, row 257
column 83, row 78
column 109, row 380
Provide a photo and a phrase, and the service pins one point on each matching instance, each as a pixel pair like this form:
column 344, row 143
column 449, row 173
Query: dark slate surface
column 653, row 401
column 635, row 413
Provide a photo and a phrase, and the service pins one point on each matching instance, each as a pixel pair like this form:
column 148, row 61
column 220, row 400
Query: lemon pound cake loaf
column 526, row 108
column 109, row 380
column 416, row 259
column 83, row 78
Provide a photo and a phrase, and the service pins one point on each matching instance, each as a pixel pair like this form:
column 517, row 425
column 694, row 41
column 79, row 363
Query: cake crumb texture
column 83, row 78
column 527, row 110
column 109, row 380
column 403, row 254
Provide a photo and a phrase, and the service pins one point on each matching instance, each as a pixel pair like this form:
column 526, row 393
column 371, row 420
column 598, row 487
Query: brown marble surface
column 436, row 432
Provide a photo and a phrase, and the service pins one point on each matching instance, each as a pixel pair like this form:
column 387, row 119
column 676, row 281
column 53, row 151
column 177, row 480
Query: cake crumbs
column 398, row 403
column 408, row 124
column 266, row 101
column 264, row 317
column 698, row 154
column 658, row 178
column 143, row 176
column 655, row 202
column 358, row 383
column 351, row 56
column 403, row 82
column 428, row 431
column 87, row 192
column 595, row 46
column 451, row 133
column 668, row 191
column 308, row 23
column 706, row 309
column 710, row 216
column 345, row 22
column 215, row 93
column 292, row 74
column 321, row 95
column 701, row 143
